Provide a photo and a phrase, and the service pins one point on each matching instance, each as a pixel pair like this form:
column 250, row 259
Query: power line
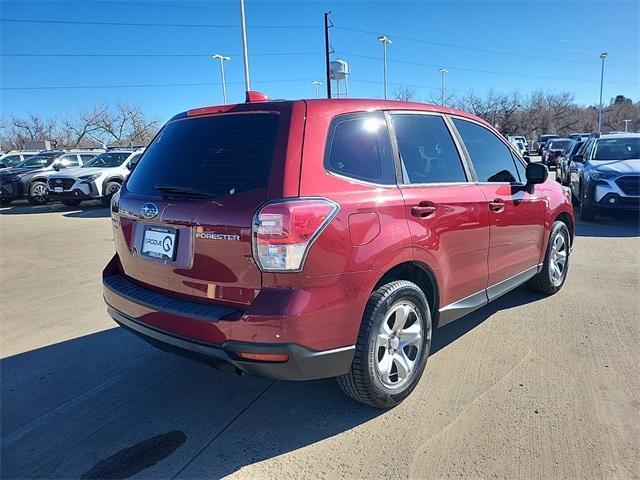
column 147, row 85
column 464, row 47
column 474, row 70
column 102, row 55
column 550, row 47
column 132, row 24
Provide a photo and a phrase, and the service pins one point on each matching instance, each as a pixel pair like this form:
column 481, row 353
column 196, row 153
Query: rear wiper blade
column 183, row 191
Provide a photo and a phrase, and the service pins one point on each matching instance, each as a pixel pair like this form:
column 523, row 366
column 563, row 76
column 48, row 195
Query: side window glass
column 491, row 158
column 522, row 171
column 86, row 158
column 134, row 160
column 358, row 147
column 589, row 150
column 72, row 161
column 427, row 151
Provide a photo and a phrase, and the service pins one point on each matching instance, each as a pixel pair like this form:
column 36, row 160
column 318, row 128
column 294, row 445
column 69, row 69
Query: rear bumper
column 302, row 363
column 316, row 326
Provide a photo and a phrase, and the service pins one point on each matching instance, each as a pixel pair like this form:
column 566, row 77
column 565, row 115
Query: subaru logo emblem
column 149, row 210
column 58, row 181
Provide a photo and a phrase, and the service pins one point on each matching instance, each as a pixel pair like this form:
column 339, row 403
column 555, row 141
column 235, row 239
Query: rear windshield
column 558, row 144
column 216, row 155
column 617, row 148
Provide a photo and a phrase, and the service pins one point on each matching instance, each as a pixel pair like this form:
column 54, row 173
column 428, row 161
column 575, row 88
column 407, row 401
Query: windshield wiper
column 174, row 190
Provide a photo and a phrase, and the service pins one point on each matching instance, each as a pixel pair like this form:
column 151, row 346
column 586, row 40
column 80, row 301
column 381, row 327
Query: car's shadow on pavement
column 620, row 224
column 92, row 209
column 107, row 405
column 450, row 332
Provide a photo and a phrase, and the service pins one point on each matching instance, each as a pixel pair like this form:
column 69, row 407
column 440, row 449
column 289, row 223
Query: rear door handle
column 423, row 210
column 496, row 205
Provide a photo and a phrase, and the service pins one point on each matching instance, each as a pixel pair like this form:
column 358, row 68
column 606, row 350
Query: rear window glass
column 216, row 155
column 359, row 148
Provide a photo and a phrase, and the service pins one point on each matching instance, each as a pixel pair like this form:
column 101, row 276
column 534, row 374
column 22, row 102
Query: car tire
column 71, row 203
column 5, row 201
column 391, row 353
column 587, row 213
column 37, row 193
column 556, row 262
column 109, row 190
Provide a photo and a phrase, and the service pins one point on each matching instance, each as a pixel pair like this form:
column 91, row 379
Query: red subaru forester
column 328, row 238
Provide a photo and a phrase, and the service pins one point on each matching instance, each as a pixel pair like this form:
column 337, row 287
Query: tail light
column 283, row 231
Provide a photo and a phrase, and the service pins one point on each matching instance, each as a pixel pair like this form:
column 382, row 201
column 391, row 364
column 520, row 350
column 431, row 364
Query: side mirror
column 578, row 158
column 57, row 167
column 537, row 173
column 131, row 166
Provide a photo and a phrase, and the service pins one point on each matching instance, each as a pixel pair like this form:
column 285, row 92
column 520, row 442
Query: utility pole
column 603, row 55
column 626, row 125
column 222, row 59
column 317, row 84
column 243, row 24
column 326, row 52
column 443, row 72
column 385, row 41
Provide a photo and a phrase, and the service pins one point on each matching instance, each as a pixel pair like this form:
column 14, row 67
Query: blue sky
column 165, row 68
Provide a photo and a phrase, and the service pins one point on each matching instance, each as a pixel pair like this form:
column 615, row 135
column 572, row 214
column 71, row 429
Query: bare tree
column 77, row 132
column 23, row 130
column 405, row 93
column 123, row 126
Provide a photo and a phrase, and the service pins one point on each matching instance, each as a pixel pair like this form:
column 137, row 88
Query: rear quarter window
column 358, row 147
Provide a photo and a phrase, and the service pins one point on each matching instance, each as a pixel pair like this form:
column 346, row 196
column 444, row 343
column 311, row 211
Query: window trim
column 468, row 155
column 329, row 143
column 396, row 150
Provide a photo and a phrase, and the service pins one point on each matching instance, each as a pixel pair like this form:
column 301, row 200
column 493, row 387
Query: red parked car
column 328, row 238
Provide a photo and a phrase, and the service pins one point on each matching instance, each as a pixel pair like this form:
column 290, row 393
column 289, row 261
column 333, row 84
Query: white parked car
column 97, row 179
column 519, row 145
column 520, row 138
column 14, row 157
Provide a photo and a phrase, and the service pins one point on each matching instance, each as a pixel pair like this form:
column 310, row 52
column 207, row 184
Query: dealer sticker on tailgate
column 159, row 242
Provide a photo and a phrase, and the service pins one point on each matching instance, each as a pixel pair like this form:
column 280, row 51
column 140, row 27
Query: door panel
column 449, row 227
column 516, row 217
column 447, row 215
column 517, row 230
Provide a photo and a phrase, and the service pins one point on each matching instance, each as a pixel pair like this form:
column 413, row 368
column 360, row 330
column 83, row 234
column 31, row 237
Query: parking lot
column 527, row 387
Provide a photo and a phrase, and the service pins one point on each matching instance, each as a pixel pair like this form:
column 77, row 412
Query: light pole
column 243, row 24
column 443, row 72
column 626, row 125
column 385, row 41
column 317, row 84
column 603, row 55
column 222, row 59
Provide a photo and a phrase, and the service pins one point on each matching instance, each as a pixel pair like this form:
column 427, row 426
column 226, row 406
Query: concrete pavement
column 527, row 387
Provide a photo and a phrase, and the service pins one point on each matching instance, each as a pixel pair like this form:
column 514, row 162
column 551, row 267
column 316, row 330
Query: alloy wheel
column 399, row 344
column 558, row 263
column 112, row 189
column 40, row 193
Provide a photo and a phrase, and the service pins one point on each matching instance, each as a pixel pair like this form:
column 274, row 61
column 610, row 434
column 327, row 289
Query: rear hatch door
column 183, row 218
